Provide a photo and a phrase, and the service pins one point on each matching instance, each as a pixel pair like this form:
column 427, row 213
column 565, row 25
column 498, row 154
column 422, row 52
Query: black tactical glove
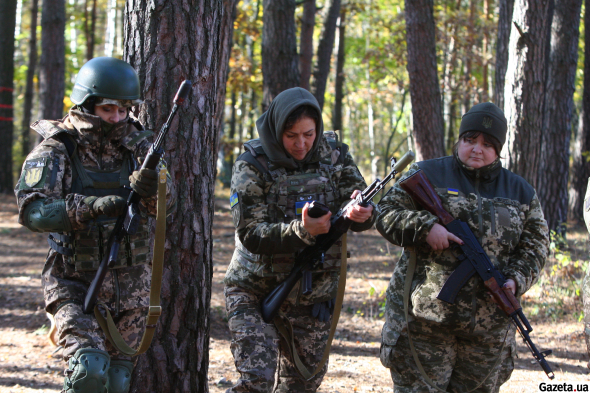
column 145, row 182
column 110, row 205
column 323, row 310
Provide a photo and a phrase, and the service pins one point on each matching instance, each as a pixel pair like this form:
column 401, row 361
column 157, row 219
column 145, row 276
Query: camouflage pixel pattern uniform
column 65, row 280
column 586, row 283
column 458, row 344
column 268, row 234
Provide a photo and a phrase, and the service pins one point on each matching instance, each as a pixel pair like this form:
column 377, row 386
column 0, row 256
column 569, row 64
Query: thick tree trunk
column 306, row 42
column 280, row 68
column 581, row 165
column 424, row 87
column 503, row 39
column 525, row 87
column 167, row 44
column 339, row 83
column 52, row 66
column 324, row 57
column 7, row 25
column 30, row 87
column 559, row 104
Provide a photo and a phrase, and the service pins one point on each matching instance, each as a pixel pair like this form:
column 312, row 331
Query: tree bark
column 167, row 43
column 503, row 39
column 280, row 68
column 7, row 25
column 525, row 87
column 559, row 104
column 339, row 83
column 581, row 165
column 52, row 66
column 325, row 47
column 424, row 87
column 306, row 42
column 89, row 28
column 29, row 89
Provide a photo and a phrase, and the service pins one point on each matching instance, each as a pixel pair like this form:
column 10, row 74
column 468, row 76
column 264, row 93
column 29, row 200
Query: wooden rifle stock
column 422, row 191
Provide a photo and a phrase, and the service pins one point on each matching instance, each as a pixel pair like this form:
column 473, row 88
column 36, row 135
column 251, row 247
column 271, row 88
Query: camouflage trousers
column 454, row 362
column 262, row 356
column 76, row 330
column 586, row 300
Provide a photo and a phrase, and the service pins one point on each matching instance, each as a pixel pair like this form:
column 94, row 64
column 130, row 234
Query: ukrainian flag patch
column 299, row 207
column 233, row 200
column 452, row 191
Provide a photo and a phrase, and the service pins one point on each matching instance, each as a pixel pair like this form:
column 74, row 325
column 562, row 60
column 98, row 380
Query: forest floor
column 28, row 362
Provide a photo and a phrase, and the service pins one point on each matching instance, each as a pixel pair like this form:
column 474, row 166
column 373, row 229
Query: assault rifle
column 473, row 260
column 128, row 222
column 311, row 256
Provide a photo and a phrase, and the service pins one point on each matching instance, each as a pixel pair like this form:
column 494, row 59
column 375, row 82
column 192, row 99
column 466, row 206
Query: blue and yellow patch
column 233, row 200
column 299, row 207
column 452, row 191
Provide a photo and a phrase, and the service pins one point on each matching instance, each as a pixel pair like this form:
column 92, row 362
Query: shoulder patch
column 233, row 200
column 34, row 171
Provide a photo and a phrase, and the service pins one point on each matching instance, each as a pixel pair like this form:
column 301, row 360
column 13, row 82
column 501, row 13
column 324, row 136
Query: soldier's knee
column 119, row 376
column 87, row 371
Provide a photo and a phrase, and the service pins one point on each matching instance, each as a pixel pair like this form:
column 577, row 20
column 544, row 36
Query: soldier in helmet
column 73, row 186
column 292, row 164
column 468, row 345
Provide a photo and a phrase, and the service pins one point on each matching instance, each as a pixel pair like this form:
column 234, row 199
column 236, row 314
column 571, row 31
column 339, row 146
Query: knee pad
column 119, row 376
column 87, row 372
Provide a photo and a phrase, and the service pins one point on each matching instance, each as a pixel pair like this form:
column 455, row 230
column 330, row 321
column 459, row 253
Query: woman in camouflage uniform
column 470, row 342
column 292, row 163
column 74, row 185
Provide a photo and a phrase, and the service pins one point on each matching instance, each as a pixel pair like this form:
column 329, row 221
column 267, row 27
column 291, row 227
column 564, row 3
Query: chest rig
column 86, row 248
column 287, row 191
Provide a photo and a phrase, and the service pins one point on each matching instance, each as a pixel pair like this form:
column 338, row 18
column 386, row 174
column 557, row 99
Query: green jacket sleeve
column 253, row 220
column 399, row 221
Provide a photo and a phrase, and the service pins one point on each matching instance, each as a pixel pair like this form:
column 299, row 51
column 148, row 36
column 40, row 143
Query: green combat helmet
column 106, row 77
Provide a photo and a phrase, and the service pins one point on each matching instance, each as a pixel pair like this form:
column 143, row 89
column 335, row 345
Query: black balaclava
column 272, row 122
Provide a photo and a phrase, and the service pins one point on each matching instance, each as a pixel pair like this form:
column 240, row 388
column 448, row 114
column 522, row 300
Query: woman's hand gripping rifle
column 128, row 222
column 311, row 256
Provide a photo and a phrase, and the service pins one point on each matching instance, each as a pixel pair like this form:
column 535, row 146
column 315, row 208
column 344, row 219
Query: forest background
column 390, row 76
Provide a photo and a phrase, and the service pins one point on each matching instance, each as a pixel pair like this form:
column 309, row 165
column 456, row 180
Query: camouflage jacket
column 264, row 232
column 503, row 212
column 127, row 288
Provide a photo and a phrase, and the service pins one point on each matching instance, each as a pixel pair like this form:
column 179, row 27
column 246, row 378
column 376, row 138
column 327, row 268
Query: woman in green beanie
column 468, row 345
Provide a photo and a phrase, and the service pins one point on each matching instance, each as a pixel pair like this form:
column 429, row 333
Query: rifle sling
column 407, row 289
column 107, row 324
column 286, row 330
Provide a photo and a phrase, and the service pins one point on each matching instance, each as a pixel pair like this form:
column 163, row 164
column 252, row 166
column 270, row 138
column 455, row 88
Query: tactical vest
column 288, row 193
column 87, row 247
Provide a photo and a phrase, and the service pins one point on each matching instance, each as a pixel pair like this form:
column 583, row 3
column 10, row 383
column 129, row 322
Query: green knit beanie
column 486, row 118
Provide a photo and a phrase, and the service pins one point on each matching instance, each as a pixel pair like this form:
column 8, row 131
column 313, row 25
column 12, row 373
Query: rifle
column 312, row 256
column 128, row 222
column 473, row 259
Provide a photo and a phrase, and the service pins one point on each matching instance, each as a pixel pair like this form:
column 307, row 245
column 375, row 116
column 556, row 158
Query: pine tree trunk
column 280, row 68
column 52, row 66
column 525, row 87
column 30, row 87
column 325, row 47
column 339, row 83
column 167, row 44
column 7, row 25
column 306, row 42
column 559, row 104
column 424, row 87
column 581, row 166
column 503, row 39
column 89, row 27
